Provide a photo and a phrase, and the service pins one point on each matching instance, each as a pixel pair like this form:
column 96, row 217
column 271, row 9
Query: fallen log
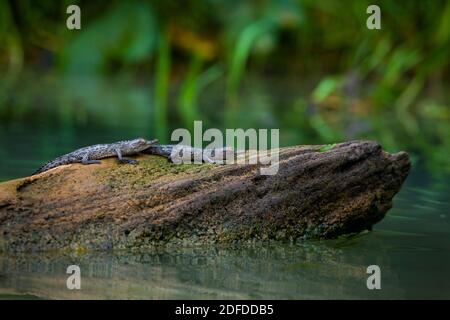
column 317, row 193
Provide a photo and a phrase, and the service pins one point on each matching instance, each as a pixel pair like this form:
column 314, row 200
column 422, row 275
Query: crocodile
column 93, row 154
column 186, row 154
column 175, row 153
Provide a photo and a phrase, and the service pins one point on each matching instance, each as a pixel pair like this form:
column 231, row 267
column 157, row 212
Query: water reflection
column 257, row 272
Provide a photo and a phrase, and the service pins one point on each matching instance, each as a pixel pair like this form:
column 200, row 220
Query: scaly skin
column 186, row 154
column 175, row 153
column 92, row 154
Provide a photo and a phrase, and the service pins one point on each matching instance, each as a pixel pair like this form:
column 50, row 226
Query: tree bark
column 315, row 194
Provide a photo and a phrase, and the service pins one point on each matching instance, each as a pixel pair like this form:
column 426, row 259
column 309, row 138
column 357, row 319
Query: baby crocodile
column 92, row 154
column 186, row 154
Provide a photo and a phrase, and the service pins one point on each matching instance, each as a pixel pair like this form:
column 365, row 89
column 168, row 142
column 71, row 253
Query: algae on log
column 317, row 193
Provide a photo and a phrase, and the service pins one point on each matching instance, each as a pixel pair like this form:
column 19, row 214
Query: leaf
column 328, row 147
column 325, row 88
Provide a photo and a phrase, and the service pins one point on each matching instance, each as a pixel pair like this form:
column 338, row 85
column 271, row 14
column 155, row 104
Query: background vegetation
column 310, row 68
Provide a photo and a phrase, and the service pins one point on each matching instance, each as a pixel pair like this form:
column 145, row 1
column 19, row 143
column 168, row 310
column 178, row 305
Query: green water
column 411, row 245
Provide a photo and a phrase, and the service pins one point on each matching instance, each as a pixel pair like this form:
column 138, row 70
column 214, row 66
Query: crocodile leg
column 123, row 159
column 86, row 160
column 206, row 159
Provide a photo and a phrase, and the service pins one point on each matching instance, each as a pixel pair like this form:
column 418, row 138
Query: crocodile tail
column 45, row 167
column 52, row 164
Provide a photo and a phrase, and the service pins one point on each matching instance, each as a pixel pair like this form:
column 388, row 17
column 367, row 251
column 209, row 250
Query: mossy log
column 315, row 194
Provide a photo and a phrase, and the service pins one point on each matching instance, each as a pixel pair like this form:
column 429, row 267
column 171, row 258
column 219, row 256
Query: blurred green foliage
column 311, row 68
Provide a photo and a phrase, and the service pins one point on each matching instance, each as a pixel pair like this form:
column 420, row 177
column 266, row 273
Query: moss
column 149, row 169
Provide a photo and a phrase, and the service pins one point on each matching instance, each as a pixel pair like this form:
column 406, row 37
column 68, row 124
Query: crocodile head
column 139, row 144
